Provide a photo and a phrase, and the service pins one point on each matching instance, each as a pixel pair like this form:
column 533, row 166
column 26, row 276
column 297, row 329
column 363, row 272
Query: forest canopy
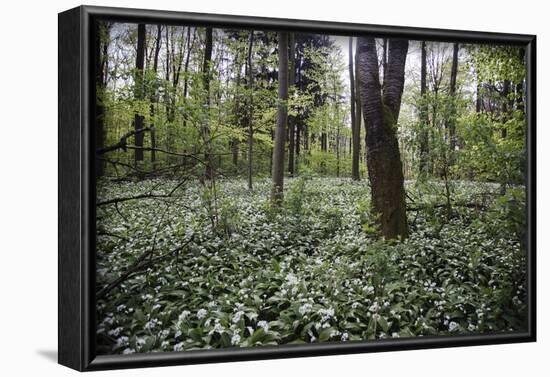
column 267, row 188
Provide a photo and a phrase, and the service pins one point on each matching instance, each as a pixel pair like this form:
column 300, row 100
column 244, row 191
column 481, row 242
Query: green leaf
column 383, row 323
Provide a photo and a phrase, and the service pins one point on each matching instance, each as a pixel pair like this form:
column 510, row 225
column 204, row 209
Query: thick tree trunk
column 282, row 114
column 139, row 92
column 381, row 112
column 291, row 119
column 423, row 115
column 356, row 145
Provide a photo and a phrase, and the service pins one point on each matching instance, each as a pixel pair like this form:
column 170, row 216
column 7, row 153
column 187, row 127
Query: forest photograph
column 272, row 188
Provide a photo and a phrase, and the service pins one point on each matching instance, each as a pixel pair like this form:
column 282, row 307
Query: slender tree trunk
column 291, row 119
column 338, row 141
column 356, row 145
column 154, row 96
column 238, row 116
column 423, row 113
column 250, row 109
column 381, row 112
column 519, row 86
column 358, row 117
column 100, row 82
column 139, row 92
column 206, row 71
column 452, row 92
column 186, row 68
column 282, row 114
column 299, row 119
column 505, row 115
column 478, row 96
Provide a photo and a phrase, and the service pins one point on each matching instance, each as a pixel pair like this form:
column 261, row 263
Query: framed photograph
column 238, row 188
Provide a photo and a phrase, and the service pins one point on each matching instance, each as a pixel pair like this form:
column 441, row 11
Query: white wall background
column 28, row 186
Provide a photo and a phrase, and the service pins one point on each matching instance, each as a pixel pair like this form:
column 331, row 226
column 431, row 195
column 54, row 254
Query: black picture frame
column 76, row 185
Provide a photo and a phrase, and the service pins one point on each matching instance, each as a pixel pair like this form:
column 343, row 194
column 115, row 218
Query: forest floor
column 223, row 269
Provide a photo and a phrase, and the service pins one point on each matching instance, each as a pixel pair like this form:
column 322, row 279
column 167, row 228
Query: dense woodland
column 267, row 188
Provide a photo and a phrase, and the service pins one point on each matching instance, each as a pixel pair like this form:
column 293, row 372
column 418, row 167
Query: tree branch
column 138, row 266
column 122, row 144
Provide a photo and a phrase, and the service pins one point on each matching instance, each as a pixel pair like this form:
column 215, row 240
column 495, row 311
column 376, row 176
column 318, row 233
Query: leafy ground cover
column 315, row 271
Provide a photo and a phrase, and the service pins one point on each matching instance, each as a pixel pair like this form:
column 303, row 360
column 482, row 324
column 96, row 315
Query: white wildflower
column 291, row 279
column 202, row 313
column 264, row 325
column 326, row 314
column 237, row 316
column 122, row 341
column 304, row 309
column 235, row 339
column 115, row 332
column 453, row 326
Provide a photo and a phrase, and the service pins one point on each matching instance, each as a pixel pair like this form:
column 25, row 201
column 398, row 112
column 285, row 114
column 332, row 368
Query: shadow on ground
column 50, row 355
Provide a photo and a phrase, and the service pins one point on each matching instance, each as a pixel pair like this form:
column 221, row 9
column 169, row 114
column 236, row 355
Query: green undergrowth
column 313, row 271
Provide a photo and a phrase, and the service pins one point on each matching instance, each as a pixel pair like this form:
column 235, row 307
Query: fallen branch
column 462, row 205
column 148, row 195
column 138, row 266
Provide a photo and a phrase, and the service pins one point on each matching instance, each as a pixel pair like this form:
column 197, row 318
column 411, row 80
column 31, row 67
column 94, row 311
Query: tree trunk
column 338, row 141
column 186, row 67
column 100, row 81
column 478, row 96
column 282, row 114
column 505, row 115
column 423, row 115
column 519, row 86
column 452, row 92
column 381, row 112
column 358, row 117
column 250, row 109
column 154, row 96
column 139, row 92
column 206, row 71
column 291, row 119
column 354, row 134
column 238, row 116
column 384, row 62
